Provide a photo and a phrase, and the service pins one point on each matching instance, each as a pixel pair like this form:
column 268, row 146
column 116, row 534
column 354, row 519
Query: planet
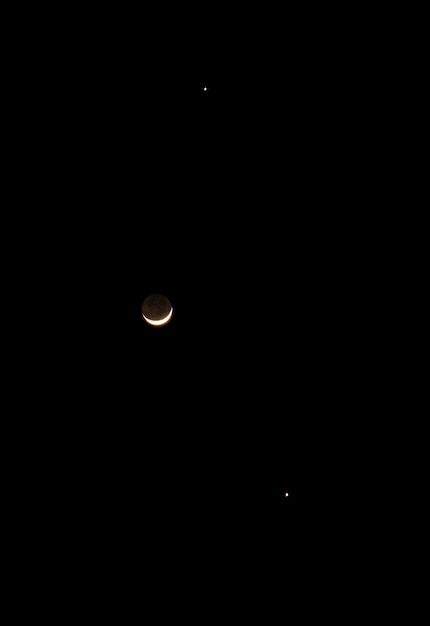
column 157, row 310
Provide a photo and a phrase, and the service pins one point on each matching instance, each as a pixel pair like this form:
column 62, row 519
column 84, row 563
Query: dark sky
column 231, row 203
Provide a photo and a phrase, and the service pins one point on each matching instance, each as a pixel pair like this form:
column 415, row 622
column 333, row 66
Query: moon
column 157, row 310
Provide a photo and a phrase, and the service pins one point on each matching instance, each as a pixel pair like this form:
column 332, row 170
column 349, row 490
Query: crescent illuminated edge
column 159, row 322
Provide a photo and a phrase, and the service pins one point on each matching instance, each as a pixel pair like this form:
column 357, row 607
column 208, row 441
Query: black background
column 161, row 450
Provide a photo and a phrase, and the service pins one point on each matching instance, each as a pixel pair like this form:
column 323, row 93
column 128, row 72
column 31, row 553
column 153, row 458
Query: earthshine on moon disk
column 157, row 310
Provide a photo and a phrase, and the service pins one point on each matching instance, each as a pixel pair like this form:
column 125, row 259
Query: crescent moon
column 161, row 322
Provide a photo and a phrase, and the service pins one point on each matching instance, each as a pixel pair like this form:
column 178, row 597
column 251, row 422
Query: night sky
column 210, row 169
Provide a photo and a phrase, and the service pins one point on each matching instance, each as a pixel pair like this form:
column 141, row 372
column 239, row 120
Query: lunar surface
column 157, row 310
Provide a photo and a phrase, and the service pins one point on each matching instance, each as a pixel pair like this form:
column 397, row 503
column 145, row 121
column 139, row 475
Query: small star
column 205, row 88
column 286, row 495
